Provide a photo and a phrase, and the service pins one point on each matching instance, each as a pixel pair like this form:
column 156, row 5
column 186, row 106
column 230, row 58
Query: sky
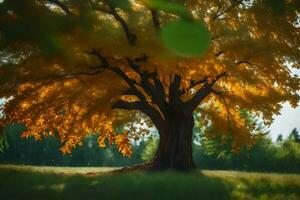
column 289, row 117
column 285, row 122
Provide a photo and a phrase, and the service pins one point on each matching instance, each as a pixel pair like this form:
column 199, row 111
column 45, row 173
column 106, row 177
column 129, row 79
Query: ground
column 34, row 182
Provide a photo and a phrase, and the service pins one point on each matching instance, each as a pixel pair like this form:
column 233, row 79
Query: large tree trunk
column 175, row 147
column 172, row 116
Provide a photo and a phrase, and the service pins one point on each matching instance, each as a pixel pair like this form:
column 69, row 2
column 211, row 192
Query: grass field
column 32, row 182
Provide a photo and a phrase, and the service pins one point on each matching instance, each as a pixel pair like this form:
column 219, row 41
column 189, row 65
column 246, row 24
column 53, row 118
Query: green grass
column 32, row 182
column 58, row 170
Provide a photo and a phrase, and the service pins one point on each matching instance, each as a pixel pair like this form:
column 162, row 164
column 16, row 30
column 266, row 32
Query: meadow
column 35, row 182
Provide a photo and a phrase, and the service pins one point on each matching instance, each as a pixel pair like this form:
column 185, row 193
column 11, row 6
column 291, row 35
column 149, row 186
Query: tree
column 279, row 139
column 294, row 135
column 97, row 66
column 215, row 152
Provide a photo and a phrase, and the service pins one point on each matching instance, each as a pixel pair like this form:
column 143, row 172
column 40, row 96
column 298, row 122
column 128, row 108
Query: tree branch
column 226, row 105
column 205, row 90
column 98, row 8
column 141, row 105
column 247, row 63
column 219, row 54
column 194, row 83
column 130, row 82
column 159, row 87
column 132, row 38
column 62, row 6
column 156, row 91
column 174, row 88
column 120, row 104
column 219, row 13
column 68, row 75
column 144, row 107
column 155, row 20
column 103, row 60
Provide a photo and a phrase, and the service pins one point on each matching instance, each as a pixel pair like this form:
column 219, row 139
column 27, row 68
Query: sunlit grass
column 58, row 170
column 260, row 185
column 33, row 182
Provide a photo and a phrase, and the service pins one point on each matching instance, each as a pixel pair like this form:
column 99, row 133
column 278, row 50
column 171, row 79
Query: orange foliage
column 50, row 92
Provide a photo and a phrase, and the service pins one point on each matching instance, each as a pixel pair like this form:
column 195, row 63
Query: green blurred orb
column 186, row 38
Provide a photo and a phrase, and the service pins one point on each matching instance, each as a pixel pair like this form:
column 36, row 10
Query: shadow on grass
column 20, row 184
column 168, row 185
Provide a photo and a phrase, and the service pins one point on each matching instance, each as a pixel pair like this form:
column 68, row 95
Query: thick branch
column 130, row 36
column 130, row 82
column 194, row 83
column 174, row 88
column 205, row 90
column 112, row 11
column 141, row 105
column 144, row 107
column 156, row 91
column 135, row 105
column 103, row 60
column 159, row 87
column 158, row 94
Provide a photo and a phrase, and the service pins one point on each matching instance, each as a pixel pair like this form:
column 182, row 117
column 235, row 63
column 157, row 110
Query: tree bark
column 175, row 147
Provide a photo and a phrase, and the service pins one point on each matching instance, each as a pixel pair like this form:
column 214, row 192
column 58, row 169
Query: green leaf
column 186, row 38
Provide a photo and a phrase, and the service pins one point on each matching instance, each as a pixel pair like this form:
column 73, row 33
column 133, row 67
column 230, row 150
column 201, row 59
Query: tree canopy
column 75, row 67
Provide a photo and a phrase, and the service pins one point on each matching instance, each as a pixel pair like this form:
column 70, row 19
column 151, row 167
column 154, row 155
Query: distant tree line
column 17, row 150
column 265, row 155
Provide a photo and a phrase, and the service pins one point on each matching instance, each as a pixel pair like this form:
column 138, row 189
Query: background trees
column 265, row 155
